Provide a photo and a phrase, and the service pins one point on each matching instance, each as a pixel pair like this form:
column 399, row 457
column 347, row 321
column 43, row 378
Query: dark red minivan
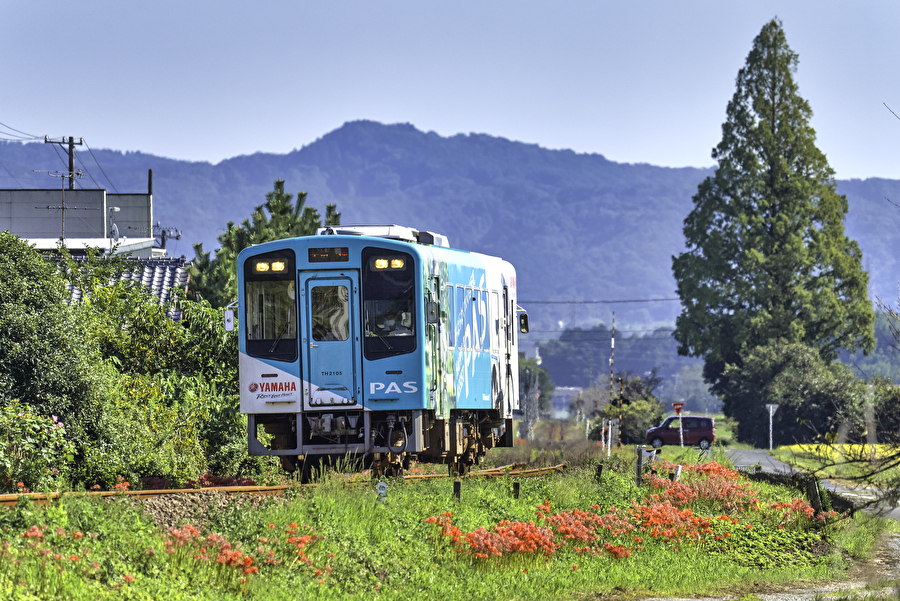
column 698, row 432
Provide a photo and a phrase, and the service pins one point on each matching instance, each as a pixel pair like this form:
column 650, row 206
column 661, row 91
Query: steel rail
column 10, row 500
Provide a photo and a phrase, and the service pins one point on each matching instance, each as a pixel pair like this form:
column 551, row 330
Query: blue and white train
column 378, row 342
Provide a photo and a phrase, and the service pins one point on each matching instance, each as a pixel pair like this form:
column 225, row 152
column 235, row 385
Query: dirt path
column 869, row 579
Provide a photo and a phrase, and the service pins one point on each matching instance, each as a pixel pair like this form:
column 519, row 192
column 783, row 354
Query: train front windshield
column 389, row 301
column 271, row 324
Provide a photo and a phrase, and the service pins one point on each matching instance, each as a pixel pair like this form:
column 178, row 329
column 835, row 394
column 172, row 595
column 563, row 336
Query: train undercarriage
column 385, row 442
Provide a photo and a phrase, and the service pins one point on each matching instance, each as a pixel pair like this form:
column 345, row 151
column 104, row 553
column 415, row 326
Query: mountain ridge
column 577, row 226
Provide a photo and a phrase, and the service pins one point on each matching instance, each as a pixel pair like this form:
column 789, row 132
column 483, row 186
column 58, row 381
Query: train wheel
column 309, row 469
column 458, row 467
column 394, row 471
column 288, row 463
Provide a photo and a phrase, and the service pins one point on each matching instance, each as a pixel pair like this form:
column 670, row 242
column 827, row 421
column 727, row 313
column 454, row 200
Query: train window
column 330, row 313
column 495, row 318
column 477, row 330
column 451, row 316
column 483, row 321
column 270, row 306
column 463, row 334
column 389, row 303
column 513, row 325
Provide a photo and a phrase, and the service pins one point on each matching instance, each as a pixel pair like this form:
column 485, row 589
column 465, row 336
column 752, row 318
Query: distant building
column 82, row 218
column 563, row 397
column 79, row 219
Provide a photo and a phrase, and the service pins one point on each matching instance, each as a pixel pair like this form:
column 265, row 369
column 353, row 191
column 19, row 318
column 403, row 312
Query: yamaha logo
column 253, row 387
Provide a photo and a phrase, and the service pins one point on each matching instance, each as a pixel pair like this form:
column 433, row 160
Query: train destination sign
column 329, row 255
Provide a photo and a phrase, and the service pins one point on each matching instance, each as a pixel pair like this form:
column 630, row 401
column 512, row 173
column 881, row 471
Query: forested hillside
column 578, row 227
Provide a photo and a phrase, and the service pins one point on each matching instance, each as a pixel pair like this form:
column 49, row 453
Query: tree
column 633, row 401
column 534, row 380
column 815, row 398
column 535, row 391
column 215, row 279
column 688, row 386
column 767, row 257
column 581, row 356
column 884, row 362
column 45, row 358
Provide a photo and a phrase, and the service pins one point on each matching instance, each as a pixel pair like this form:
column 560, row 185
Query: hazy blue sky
column 635, row 81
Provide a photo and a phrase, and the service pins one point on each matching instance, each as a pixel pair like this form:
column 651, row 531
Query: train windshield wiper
column 287, row 323
column 380, row 337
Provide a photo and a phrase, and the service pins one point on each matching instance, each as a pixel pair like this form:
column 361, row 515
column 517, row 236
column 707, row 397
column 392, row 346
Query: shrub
column 45, row 359
column 34, row 451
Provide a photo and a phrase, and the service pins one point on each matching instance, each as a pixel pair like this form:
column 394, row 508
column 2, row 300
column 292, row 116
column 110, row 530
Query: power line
column 23, row 134
column 594, row 332
column 56, row 150
column 11, row 175
column 101, row 168
column 8, row 136
column 83, row 166
column 600, row 302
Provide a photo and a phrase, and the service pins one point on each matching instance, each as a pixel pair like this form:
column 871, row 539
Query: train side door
column 330, row 341
column 433, row 308
column 509, row 318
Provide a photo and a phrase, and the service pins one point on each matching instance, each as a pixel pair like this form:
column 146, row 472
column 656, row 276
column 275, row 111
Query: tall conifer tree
column 767, row 258
column 215, row 279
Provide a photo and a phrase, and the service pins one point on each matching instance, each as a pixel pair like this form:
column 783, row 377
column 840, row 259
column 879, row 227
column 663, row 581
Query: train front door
column 330, row 341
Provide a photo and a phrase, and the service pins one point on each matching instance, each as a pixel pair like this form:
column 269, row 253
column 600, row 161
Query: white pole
column 772, row 407
column 609, row 438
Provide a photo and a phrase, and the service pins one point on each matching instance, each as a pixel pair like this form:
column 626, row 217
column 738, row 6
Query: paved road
column 749, row 458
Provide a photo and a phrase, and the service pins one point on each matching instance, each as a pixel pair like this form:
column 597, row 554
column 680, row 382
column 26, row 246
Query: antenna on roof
column 70, row 175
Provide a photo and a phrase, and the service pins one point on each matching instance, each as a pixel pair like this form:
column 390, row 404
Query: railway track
column 42, row 499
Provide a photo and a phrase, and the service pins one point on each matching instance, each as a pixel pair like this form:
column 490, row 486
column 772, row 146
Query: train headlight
column 397, row 263
column 262, row 266
column 277, row 265
column 381, row 263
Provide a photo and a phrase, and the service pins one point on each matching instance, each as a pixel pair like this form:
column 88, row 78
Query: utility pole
column 71, row 143
column 62, row 206
column 621, row 399
column 612, row 355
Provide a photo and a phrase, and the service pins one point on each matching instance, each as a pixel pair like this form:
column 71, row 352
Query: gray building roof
column 160, row 276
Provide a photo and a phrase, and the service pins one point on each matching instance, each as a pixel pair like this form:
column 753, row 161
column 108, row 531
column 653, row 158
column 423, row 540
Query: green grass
column 848, row 464
column 360, row 548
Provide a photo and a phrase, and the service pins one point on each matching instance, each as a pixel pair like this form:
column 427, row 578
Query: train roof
column 390, row 232
column 423, row 243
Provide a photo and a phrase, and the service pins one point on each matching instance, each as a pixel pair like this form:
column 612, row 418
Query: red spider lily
column 33, row 532
column 617, row 551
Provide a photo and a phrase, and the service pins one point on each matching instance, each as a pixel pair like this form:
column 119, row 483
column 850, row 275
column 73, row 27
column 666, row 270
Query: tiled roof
column 160, row 276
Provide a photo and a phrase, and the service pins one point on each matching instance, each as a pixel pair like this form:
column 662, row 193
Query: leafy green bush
column 815, row 396
column 171, row 408
column 140, row 393
column 45, row 358
column 34, row 451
